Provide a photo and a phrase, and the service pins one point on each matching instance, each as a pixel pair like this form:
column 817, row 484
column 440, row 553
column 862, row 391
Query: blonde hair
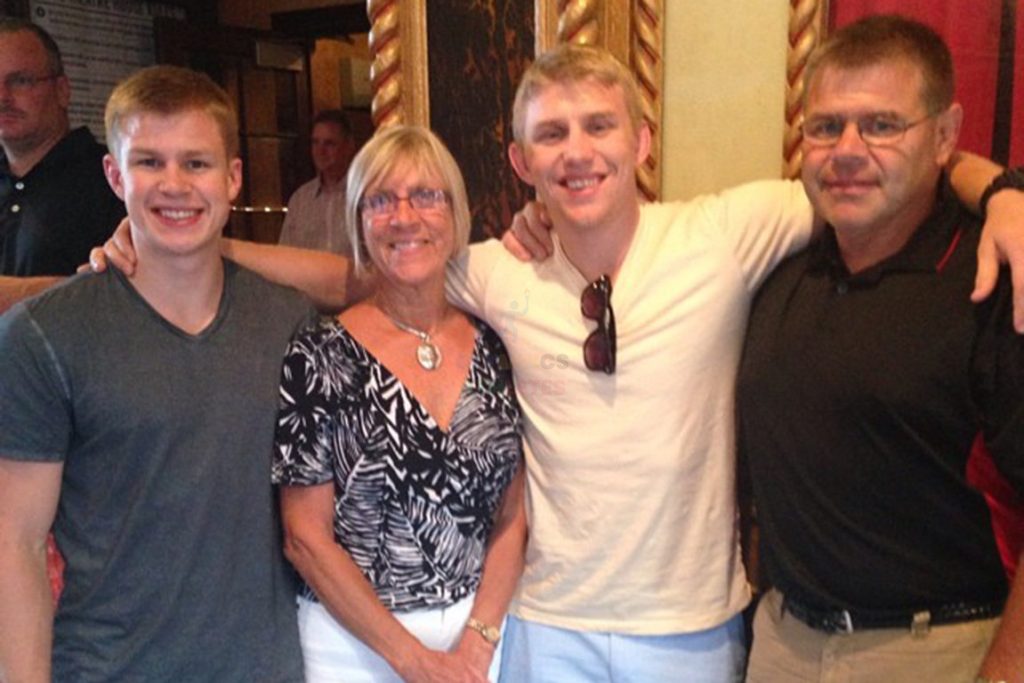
column 169, row 90
column 379, row 157
column 570, row 63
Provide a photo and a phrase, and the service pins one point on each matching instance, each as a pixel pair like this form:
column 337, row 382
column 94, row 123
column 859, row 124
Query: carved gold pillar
column 645, row 58
column 807, row 24
column 398, row 46
column 632, row 31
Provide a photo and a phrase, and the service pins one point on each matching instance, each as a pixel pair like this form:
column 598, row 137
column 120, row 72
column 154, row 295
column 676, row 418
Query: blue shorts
column 535, row 653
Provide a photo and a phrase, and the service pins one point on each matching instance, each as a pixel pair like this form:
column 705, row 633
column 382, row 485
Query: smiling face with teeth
column 177, row 182
column 410, row 247
column 580, row 151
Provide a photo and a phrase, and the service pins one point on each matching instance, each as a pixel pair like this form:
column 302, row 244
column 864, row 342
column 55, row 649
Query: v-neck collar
column 467, row 381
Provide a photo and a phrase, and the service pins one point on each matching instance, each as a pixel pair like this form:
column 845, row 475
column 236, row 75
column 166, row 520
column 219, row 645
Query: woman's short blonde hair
column 386, row 151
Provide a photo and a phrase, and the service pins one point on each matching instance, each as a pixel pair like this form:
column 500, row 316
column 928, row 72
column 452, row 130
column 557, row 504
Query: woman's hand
column 432, row 666
column 476, row 652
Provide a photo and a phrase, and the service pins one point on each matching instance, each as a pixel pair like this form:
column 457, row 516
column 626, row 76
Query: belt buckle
column 846, row 625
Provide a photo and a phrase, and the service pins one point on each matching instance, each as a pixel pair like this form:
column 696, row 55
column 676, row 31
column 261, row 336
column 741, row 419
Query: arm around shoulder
column 763, row 222
column 328, row 279
column 470, row 276
column 14, row 289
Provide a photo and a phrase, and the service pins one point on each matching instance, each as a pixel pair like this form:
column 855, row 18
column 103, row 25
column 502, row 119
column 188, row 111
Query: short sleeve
column 469, row 275
column 305, row 417
column 764, row 221
column 36, row 416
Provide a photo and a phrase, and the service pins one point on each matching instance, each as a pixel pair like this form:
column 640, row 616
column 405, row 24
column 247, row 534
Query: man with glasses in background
column 55, row 203
column 869, row 382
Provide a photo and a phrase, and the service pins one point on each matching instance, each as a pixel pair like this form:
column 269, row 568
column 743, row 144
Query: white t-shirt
column 631, row 477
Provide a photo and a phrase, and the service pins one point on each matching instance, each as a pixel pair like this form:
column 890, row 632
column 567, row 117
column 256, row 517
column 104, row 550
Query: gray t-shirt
column 167, row 518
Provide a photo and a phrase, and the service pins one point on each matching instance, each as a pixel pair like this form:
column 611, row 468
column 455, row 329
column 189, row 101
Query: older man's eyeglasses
column 385, row 204
column 599, row 347
column 874, row 129
column 23, row 82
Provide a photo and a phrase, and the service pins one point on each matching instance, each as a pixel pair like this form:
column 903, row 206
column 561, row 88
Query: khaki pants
column 785, row 649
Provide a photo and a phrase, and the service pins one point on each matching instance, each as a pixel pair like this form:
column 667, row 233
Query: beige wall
column 725, row 69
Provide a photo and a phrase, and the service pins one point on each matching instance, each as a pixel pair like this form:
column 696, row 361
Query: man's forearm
column 14, row 289
column 324, row 277
column 1005, row 658
column 26, row 614
column 970, row 174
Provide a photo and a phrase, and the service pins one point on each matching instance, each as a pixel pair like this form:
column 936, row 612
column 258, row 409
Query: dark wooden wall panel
column 478, row 50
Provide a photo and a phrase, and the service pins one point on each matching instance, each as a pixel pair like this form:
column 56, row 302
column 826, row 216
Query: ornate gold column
column 807, row 25
column 648, row 67
column 398, row 45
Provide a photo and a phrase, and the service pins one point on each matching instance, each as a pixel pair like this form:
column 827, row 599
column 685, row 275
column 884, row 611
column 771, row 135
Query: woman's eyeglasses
column 385, row 204
column 599, row 347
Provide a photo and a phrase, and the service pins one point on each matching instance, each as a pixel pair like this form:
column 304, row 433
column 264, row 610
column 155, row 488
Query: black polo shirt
column 63, row 207
column 859, row 400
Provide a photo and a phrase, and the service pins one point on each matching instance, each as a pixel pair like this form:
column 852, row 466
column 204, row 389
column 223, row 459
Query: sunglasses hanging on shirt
column 596, row 305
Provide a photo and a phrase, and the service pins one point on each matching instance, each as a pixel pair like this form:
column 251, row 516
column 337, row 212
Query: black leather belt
column 848, row 621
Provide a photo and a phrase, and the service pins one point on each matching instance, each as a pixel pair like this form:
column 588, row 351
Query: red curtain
column 972, row 29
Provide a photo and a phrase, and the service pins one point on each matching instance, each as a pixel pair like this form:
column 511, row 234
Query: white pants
column 331, row 654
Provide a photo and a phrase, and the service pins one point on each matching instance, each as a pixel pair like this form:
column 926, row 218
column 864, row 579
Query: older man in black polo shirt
column 55, row 203
column 869, row 380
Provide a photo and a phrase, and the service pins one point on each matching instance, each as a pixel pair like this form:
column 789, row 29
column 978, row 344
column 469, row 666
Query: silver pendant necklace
column 427, row 353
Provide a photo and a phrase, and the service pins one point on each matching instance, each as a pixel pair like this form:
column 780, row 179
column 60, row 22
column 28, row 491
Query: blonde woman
column 398, row 444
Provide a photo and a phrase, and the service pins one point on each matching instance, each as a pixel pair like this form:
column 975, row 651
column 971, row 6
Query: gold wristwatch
column 492, row 634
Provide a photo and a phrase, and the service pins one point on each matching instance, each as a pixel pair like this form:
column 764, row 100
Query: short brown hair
column 170, row 90
column 16, row 25
column 336, row 117
column 888, row 37
column 569, row 63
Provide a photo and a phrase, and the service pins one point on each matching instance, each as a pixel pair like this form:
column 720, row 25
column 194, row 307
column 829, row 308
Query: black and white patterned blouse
column 413, row 504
